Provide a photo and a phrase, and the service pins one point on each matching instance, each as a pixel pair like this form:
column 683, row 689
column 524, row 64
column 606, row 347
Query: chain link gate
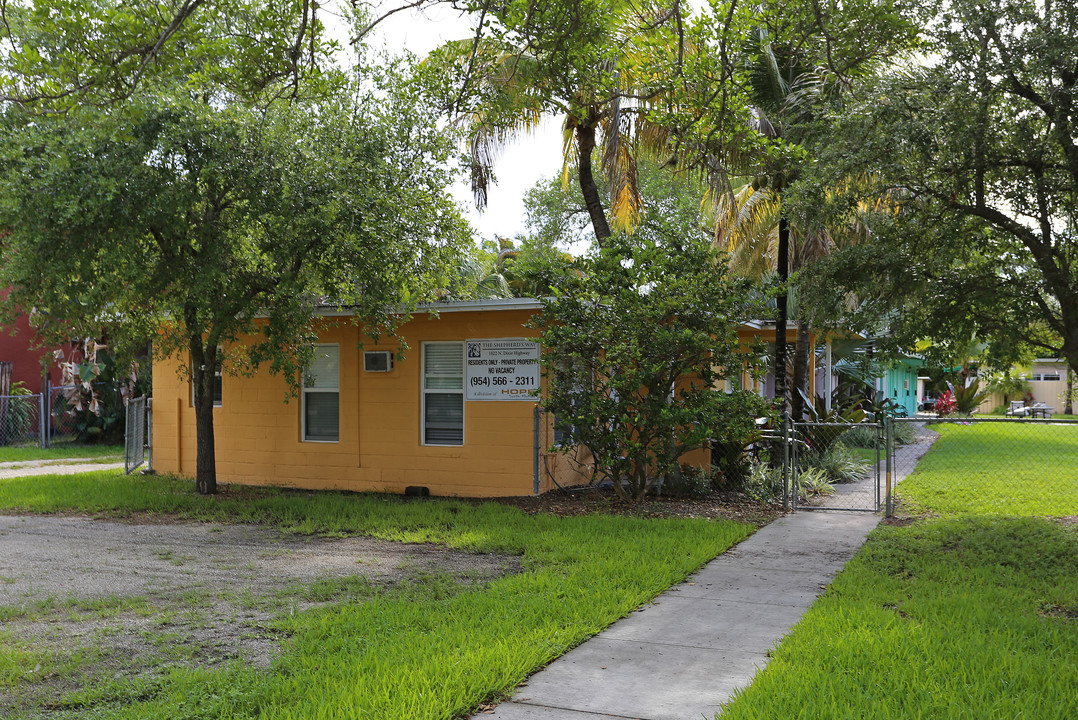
column 821, row 476
column 137, row 434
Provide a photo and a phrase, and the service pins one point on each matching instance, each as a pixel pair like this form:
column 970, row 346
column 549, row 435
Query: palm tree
column 780, row 90
column 750, row 226
column 580, row 61
column 788, row 84
column 746, row 225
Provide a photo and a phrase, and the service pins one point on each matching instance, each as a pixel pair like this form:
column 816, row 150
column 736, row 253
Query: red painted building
column 18, row 346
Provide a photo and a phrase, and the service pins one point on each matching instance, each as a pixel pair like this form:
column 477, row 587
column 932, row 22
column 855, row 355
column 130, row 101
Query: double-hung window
column 443, row 393
column 321, row 396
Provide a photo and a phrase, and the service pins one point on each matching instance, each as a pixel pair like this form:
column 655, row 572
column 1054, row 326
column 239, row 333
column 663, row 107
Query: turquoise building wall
column 900, row 384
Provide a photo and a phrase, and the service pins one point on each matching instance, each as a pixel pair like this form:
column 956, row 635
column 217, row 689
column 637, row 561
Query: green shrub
column 692, row 481
column 862, row 436
column 19, row 423
column 904, row 433
column 763, row 482
column 814, row 481
column 837, row 464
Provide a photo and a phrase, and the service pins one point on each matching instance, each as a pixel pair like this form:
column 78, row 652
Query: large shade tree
column 982, row 144
column 202, row 213
column 60, row 54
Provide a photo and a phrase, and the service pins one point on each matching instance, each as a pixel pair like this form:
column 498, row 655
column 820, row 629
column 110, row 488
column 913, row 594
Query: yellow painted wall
column 747, row 336
column 258, row 435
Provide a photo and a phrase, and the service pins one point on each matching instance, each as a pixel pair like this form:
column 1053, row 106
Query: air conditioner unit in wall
column 377, row 361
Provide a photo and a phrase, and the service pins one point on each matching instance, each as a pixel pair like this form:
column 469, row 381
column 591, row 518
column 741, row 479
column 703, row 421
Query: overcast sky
column 521, row 164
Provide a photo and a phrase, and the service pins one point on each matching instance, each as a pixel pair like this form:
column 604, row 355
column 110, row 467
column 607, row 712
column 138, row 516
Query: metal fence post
column 785, row 460
column 42, row 435
column 49, row 429
column 149, row 434
column 535, row 449
column 889, row 434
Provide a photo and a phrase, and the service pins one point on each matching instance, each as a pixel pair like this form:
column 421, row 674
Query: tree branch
column 185, row 11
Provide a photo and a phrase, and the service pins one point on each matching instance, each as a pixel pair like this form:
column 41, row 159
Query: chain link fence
column 934, row 465
column 916, row 465
column 988, row 465
column 21, row 421
column 836, row 466
column 63, row 418
column 57, row 417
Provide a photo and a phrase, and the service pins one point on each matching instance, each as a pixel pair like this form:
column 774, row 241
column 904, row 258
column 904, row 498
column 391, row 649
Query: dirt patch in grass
column 85, row 604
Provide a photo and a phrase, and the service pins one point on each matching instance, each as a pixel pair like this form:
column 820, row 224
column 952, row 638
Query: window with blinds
column 443, row 393
column 321, row 396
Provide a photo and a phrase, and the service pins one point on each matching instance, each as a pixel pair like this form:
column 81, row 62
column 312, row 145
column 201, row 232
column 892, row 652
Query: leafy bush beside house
column 17, row 416
column 635, row 336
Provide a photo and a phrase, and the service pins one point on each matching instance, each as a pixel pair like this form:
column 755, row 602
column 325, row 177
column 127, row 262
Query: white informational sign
column 501, row 369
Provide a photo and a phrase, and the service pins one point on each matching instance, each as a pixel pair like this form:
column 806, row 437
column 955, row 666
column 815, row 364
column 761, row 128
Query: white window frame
column 424, row 391
column 217, row 381
column 307, row 390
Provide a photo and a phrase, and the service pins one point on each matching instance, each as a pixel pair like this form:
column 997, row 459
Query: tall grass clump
column 764, row 483
column 836, row 463
column 864, row 436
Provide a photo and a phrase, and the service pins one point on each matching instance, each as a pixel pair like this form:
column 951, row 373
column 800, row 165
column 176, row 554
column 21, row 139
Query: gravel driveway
column 113, row 600
column 85, row 559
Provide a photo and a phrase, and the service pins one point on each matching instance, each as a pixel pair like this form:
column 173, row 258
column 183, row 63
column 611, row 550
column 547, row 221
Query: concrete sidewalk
column 55, row 466
column 683, row 656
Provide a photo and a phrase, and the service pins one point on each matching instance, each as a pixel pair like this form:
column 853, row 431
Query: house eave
column 437, row 308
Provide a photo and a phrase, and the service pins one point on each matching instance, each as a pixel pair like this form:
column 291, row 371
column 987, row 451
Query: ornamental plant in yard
column 968, row 395
column 946, row 404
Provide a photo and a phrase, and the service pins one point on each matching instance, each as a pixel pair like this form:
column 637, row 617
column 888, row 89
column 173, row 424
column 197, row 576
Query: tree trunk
column 203, row 371
column 801, row 368
column 783, row 263
column 585, row 138
column 1068, row 403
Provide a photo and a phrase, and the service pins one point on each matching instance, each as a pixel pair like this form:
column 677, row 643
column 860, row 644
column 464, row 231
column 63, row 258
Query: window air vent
column 378, row 361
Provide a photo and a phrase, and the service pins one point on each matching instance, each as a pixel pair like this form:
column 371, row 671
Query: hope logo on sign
column 474, row 350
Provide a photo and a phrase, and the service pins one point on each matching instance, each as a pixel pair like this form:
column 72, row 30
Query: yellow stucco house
column 455, row 417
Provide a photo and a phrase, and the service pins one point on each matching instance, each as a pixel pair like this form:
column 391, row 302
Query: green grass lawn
column 59, row 451
column 865, row 455
column 997, row 469
column 420, row 651
column 973, row 615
